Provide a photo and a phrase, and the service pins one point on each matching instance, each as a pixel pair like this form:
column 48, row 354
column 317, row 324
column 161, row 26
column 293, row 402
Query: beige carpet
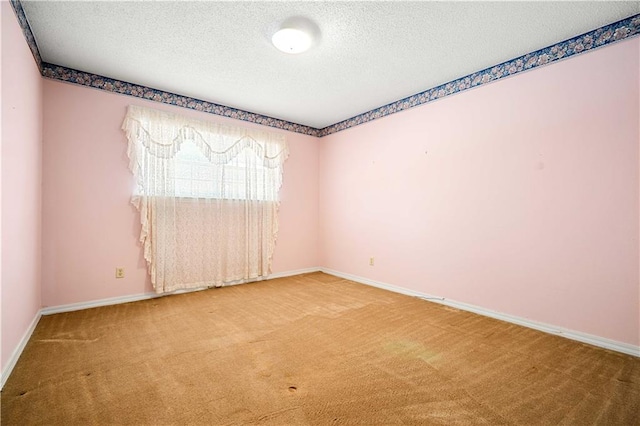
column 310, row 349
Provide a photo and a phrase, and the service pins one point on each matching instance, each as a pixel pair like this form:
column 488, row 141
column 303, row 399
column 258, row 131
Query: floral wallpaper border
column 56, row 72
column 26, row 30
column 603, row 36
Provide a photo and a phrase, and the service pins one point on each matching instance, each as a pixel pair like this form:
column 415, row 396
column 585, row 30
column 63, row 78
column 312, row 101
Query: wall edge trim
column 614, row 32
column 17, row 352
column 590, row 339
column 50, row 310
column 119, row 87
column 16, row 5
column 608, row 34
column 79, row 306
column 601, row 342
column 293, row 273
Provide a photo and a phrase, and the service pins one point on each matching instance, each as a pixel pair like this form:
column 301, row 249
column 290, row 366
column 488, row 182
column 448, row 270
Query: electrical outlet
column 119, row 272
column 371, row 261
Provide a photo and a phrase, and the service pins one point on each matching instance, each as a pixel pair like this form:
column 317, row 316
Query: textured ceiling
column 369, row 54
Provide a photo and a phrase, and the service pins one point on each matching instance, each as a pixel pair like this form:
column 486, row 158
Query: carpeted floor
column 310, row 349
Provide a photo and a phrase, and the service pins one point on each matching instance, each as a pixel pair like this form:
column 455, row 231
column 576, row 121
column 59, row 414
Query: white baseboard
column 107, row 302
column 570, row 334
column 15, row 355
column 292, row 273
column 144, row 296
column 602, row 342
column 49, row 310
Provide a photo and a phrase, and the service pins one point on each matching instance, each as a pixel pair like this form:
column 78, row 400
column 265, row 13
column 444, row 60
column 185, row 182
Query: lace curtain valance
column 207, row 195
column 156, row 135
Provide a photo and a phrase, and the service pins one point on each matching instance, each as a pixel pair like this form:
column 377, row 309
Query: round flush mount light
column 292, row 40
column 296, row 35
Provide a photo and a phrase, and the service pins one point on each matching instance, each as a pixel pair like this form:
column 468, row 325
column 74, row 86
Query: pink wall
column 89, row 225
column 520, row 196
column 2, row 362
column 21, row 184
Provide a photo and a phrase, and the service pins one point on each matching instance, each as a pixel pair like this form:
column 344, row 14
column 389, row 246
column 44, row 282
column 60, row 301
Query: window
column 230, row 177
column 196, row 177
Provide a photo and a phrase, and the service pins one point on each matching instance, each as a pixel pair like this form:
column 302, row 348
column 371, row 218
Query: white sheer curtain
column 207, row 196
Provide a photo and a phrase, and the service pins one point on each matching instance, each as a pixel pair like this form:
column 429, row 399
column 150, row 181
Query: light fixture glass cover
column 292, row 40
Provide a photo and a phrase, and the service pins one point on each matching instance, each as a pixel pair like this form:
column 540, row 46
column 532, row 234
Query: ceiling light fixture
column 296, row 35
column 292, row 40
